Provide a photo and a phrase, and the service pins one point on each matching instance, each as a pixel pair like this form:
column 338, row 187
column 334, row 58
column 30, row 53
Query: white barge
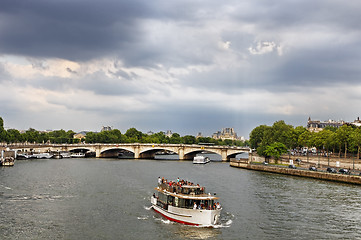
column 201, row 160
column 187, row 204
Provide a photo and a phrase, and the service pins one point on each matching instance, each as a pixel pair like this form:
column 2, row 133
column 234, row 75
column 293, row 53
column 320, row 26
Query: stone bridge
column 140, row 150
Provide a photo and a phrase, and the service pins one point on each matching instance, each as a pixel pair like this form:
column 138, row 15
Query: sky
column 183, row 65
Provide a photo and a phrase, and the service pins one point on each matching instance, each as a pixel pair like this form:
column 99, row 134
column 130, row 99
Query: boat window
column 170, row 200
column 162, row 197
column 211, row 204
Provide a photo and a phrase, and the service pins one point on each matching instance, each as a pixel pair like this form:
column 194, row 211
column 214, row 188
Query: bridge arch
column 113, row 152
column 79, row 149
column 233, row 155
column 191, row 154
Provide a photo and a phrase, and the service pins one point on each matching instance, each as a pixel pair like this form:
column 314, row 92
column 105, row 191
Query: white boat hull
column 78, row 155
column 199, row 217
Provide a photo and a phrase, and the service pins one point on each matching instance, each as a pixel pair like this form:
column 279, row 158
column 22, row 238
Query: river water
column 110, row 199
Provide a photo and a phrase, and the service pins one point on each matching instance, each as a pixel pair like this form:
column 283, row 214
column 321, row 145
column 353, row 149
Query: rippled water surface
column 110, row 199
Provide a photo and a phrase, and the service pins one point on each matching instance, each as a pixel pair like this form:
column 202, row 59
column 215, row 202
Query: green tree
column 189, row 139
column 175, row 139
column 267, row 140
column 356, row 140
column 275, row 150
column 134, row 135
column 2, row 131
column 295, row 135
column 31, row 135
column 13, row 136
column 256, row 136
column 282, row 133
column 343, row 137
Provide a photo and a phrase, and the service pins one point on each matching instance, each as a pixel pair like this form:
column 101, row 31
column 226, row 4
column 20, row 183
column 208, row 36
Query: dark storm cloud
column 75, row 30
column 275, row 15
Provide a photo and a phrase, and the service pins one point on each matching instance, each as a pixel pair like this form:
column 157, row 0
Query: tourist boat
column 22, row 156
column 65, row 154
column 187, row 204
column 78, row 155
column 42, row 155
column 57, row 155
column 7, row 161
column 201, row 160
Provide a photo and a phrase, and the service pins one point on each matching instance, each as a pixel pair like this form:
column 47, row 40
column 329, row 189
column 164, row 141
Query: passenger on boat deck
column 178, row 180
column 195, row 206
column 159, row 180
column 218, row 205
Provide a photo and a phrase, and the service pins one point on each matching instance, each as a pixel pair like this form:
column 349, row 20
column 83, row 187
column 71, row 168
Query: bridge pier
column 224, row 155
column 136, row 151
column 97, row 152
column 181, row 153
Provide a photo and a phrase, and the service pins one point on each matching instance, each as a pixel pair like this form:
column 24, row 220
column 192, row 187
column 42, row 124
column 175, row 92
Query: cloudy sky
column 185, row 65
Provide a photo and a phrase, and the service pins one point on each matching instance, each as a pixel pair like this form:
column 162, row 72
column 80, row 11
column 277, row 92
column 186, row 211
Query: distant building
column 199, row 135
column 106, row 128
column 357, row 122
column 226, row 133
column 150, row 133
column 80, row 135
column 317, row 126
column 169, row 133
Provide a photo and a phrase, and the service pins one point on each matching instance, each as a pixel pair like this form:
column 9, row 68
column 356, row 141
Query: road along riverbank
column 302, row 172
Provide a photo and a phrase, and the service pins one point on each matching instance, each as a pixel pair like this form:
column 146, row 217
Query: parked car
column 343, row 171
column 292, row 166
column 298, row 160
column 331, row 170
column 265, row 163
column 312, row 168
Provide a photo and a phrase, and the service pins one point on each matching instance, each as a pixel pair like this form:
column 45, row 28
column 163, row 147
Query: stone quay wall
column 344, row 178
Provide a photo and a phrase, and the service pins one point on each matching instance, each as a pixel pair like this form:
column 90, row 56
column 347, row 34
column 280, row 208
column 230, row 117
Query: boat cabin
column 185, row 196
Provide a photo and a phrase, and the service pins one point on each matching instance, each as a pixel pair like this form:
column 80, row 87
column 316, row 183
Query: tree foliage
column 132, row 135
column 346, row 139
column 275, row 150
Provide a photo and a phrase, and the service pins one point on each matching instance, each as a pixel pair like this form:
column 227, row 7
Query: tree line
column 275, row 140
column 132, row 135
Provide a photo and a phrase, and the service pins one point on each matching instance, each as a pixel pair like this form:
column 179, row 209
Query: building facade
column 226, row 133
column 317, row 126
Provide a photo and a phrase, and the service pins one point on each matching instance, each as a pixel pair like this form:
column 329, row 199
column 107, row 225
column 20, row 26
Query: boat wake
column 166, row 221
column 227, row 220
column 147, row 208
column 46, row 197
column 7, row 188
column 143, row 218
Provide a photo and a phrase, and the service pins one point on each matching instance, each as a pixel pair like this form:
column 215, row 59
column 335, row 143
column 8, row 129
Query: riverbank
column 300, row 171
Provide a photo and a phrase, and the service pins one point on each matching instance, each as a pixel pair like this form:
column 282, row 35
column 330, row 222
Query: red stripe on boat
column 175, row 220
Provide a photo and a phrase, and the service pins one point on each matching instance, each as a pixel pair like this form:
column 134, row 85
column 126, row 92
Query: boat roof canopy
column 188, row 196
